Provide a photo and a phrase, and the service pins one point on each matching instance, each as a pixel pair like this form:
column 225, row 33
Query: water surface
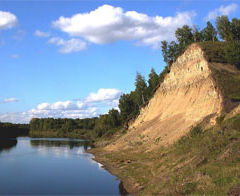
column 53, row 166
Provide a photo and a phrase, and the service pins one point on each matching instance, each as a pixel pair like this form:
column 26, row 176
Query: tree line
column 10, row 130
column 226, row 31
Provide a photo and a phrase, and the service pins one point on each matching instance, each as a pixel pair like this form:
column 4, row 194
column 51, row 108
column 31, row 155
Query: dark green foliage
column 128, row 106
column 209, row 33
column 228, row 82
column 165, row 52
column 235, row 28
column 222, row 52
column 233, row 123
column 9, row 130
column 228, row 31
column 232, row 53
column 107, row 122
column 140, row 90
column 170, row 52
column 196, row 131
column 61, row 124
column 197, row 35
column 224, row 28
column 153, row 82
column 184, row 36
column 74, row 128
column 214, row 52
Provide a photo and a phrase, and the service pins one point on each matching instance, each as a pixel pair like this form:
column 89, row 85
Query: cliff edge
column 191, row 93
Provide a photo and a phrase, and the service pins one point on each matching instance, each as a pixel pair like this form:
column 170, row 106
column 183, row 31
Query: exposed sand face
column 187, row 95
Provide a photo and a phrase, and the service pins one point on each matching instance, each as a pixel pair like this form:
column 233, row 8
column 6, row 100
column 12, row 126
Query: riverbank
column 112, row 167
column 202, row 162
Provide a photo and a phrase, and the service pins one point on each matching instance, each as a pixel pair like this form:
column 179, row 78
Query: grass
column 214, row 51
column 202, row 162
column 228, row 82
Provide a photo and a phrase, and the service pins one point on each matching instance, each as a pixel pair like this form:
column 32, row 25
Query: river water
column 53, row 166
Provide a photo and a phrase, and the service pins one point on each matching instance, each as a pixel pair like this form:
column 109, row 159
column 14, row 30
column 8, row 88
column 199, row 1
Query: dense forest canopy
column 10, row 130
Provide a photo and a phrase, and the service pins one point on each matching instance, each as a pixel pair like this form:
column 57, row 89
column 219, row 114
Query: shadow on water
column 122, row 190
column 7, row 144
column 61, row 143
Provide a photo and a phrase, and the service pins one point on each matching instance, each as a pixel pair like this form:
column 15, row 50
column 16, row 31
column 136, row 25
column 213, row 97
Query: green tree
column 140, row 89
column 209, row 33
column 170, row 52
column 153, row 82
column 114, row 118
column 165, row 53
column 184, row 36
column 197, row 35
column 224, row 28
column 235, row 28
column 128, row 106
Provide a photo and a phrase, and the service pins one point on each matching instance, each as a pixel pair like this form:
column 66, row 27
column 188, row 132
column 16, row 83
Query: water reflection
column 53, row 166
column 7, row 144
column 61, row 143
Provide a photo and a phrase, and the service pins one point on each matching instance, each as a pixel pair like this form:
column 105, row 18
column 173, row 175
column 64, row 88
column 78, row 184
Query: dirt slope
column 188, row 95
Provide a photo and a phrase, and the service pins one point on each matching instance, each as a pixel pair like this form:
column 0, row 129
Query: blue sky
column 75, row 58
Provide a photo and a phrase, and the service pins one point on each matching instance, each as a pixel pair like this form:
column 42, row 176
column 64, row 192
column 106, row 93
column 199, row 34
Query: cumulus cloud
column 41, row 33
column 61, row 105
column 68, row 46
column 93, row 105
column 10, row 100
column 104, row 95
column 7, row 20
column 108, row 24
column 222, row 10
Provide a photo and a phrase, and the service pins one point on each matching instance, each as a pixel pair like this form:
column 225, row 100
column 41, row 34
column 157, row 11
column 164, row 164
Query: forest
column 10, row 130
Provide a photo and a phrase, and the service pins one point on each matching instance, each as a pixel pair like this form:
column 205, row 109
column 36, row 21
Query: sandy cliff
column 188, row 95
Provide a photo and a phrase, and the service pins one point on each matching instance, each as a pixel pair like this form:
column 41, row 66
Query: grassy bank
column 203, row 162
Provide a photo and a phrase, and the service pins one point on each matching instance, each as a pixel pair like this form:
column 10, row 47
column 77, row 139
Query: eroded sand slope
column 186, row 97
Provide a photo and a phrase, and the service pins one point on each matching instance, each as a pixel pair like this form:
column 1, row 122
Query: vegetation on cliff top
column 225, row 49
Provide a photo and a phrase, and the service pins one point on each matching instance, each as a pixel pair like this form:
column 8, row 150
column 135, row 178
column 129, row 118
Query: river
column 53, row 166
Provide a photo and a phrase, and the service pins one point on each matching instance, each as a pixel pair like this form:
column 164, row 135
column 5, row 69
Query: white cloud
column 41, row 33
column 93, row 105
column 61, row 105
column 108, row 24
column 223, row 10
column 7, row 20
column 10, row 100
column 104, row 95
column 68, row 46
